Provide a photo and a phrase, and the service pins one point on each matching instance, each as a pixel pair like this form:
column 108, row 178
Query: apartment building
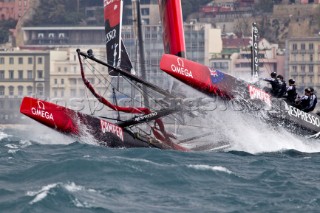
column 303, row 61
column 13, row 9
column 22, row 73
column 235, row 58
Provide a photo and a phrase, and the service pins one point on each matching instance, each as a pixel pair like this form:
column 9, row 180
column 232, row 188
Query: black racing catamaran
column 124, row 132
column 141, row 123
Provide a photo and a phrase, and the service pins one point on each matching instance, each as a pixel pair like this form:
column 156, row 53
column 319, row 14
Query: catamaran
column 146, row 126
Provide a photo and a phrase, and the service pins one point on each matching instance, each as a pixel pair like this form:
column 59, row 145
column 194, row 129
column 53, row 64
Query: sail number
column 111, row 35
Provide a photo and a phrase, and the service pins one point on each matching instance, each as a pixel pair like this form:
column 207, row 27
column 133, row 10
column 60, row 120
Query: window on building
column 73, row 92
column 11, row 90
column 59, row 69
column 145, row 11
column 20, row 91
column 40, row 89
column 310, row 46
column 302, row 79
column 11, row 74
column 11, row 60
column 65, row 69
column 1, row 74
column 294, row 68
column 20, row 74
column 55, row 81
column 311, row 79
column 303, row 46
column 30, row 60
column 62, row 81
column 39, row 60
column 294, row 57
column 40, row 35
column 2, row 90
column 29, row 73
column 40, row 74
column 20, row 60
column 1, row 104
column 310, row 68
column 294, row 46
column 311, row 57
column 62, row 93
column 302, row 57
column 55, row 93
column 29, row 90
column 1, row 60
column 73, row 81
column 303, row 68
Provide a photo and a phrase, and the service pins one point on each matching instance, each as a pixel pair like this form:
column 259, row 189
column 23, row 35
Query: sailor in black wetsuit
column 291, row 92
column 282, row 86
column 304, row 102
column 312, row 101
column 274, row 84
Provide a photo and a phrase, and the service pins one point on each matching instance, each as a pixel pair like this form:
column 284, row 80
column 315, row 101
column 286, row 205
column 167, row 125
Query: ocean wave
column 80, row 196
column 4, row 135
column 211, row 168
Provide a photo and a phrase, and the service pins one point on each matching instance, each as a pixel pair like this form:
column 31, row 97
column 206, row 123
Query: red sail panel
column 172, row 23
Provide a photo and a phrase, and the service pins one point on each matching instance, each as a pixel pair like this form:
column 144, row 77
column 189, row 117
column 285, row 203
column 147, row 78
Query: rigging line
column 118, row 90
column 138, row 88
column 129, row 75
column 152, row 98
column 107, row 80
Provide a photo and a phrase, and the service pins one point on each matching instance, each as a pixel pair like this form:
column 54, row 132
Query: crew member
column 312, row 101
column 304, row 102
column 274, row 84
column 291, row 92
column 282, row 86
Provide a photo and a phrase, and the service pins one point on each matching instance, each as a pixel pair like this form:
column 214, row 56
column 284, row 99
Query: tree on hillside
column 4, row 29
column 55, row 12
column 264, row 6
column 191, row 6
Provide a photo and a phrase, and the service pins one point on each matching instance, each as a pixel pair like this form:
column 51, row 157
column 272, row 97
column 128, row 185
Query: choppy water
column 52, row 173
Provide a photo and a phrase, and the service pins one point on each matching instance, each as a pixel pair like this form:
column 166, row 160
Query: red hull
column 215, row 82
column 76, row 124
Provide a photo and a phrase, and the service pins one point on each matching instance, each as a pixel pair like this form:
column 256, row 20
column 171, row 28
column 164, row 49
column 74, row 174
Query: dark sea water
column 53, row 173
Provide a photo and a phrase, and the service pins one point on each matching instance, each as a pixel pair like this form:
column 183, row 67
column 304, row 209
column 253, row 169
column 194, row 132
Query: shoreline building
column 303, row 62
column 22, row 73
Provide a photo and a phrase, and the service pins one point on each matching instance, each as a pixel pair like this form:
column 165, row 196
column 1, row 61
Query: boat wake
column 252, row 135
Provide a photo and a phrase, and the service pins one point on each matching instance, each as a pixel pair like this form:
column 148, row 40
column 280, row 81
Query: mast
column 137, row 19
column 255, row 52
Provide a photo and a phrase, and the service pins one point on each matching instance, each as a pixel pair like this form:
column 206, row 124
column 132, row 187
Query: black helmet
column 273, row 74
column 292, row 81
column 311, row 89
column 308, row 90
column 280, row 77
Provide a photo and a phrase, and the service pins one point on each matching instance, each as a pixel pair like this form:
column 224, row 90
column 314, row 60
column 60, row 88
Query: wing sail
column 117, row 55
column 172, row 23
